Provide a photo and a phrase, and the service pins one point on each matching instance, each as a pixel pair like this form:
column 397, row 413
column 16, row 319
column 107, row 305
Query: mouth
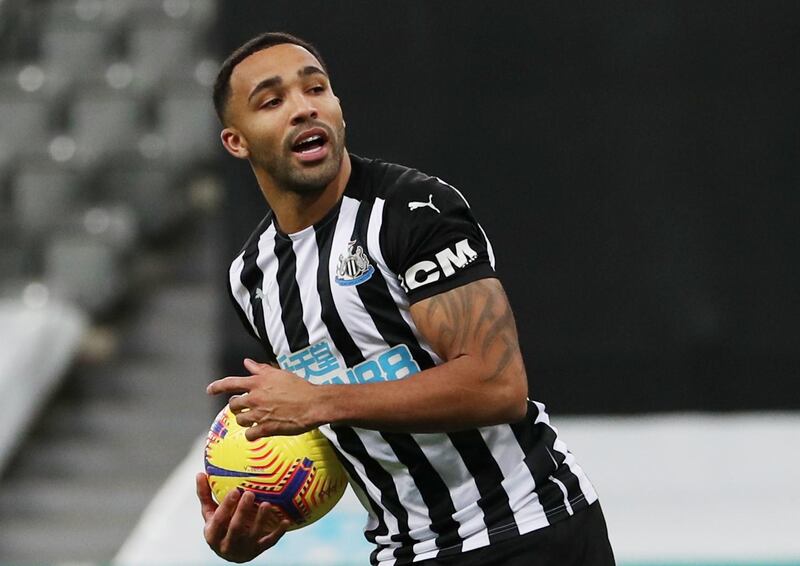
column 311, row 145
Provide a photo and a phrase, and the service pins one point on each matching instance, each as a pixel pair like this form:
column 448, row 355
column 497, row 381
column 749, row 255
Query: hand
column 238, row 530
column 270, row 402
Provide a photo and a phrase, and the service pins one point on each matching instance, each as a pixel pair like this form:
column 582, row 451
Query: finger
column 207, row 504
column 273, row 515
column 254, row 366
column 217, row 525
column 238, row 403
column 266, row 520
column 257, row 431
column 246, row 419
column 230, row 384
column 245, row 514
column 270, row 539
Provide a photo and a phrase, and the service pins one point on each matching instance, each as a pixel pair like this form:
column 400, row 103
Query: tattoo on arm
column 473, row 319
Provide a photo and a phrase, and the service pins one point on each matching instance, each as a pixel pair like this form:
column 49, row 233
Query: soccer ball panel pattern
column 300, row 475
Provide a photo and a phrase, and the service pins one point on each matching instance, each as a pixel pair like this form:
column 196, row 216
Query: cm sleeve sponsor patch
column 431, row 239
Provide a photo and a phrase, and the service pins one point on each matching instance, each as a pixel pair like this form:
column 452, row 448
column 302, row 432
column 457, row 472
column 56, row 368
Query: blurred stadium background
column 635, row 164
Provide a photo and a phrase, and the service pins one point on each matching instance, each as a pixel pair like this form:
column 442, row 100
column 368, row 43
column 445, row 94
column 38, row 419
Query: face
column 282, row 115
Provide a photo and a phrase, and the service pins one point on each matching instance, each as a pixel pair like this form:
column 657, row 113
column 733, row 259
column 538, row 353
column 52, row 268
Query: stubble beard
column 304, row 181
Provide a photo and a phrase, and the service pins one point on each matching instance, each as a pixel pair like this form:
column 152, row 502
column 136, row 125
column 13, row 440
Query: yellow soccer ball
column 300, row 475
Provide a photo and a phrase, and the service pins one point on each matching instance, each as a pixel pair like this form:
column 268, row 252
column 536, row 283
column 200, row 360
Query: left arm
column 481, row 382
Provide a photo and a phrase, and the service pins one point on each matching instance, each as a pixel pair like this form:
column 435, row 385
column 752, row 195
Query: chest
column 330, row 288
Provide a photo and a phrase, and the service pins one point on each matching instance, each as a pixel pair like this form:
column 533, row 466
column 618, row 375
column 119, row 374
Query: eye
column 317, row 89
column 271, row 103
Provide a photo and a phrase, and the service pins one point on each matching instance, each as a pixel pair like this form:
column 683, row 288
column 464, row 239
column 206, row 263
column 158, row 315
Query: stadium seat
column 5, row 166
column 25, row 120
column 115, row 222
column 96, row 173
column 73, row 47
column 195, row 13
column 159, row 51
column 150, row 188
column 43, row 193
column 86, row 270
column 187, row 122
column 102, row 14
column 15, row 259
column 30, row 80
column 104, row 121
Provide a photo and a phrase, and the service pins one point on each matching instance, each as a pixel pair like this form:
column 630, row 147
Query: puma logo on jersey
column 414, row 205
column 447, row 261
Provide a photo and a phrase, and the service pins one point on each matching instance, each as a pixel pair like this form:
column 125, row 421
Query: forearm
column 482, row 383
column 461, row 393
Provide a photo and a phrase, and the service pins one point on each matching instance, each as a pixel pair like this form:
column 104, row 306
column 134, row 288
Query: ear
column 235, row 143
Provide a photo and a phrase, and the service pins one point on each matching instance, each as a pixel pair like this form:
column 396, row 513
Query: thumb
column 253, row 366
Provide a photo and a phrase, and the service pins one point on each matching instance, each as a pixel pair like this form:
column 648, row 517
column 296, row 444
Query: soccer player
column 372, row 289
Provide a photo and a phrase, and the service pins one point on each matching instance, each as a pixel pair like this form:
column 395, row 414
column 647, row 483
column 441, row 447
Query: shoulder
column 398, row 184
column 251, row 244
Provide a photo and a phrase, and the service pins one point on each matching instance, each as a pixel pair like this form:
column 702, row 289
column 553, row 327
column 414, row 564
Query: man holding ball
column 372, row 289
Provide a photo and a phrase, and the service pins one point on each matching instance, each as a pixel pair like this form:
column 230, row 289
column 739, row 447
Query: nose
column 304, row 110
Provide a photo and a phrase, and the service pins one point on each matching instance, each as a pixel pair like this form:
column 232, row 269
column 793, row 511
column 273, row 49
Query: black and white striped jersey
column 331, row 304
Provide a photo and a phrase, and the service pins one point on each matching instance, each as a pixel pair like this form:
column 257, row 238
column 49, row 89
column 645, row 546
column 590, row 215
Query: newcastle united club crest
column 354, row 267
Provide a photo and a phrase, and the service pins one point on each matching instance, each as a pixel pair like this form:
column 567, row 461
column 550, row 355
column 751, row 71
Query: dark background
column 634, row 164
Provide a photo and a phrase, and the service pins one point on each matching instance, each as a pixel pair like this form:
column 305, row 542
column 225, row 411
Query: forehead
column 282, row 60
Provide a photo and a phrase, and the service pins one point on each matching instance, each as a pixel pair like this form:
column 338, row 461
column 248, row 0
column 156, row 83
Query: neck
column 294, row 211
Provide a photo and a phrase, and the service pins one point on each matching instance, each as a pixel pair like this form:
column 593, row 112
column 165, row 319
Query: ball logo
column 447, row 261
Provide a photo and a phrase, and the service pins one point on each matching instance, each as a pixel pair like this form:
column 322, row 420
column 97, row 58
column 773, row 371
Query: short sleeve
column 431, row 239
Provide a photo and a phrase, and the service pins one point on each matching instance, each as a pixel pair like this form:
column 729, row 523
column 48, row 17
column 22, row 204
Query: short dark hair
column 222, row 85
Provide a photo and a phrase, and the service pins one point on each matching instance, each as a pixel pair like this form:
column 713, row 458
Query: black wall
column 635, row 165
